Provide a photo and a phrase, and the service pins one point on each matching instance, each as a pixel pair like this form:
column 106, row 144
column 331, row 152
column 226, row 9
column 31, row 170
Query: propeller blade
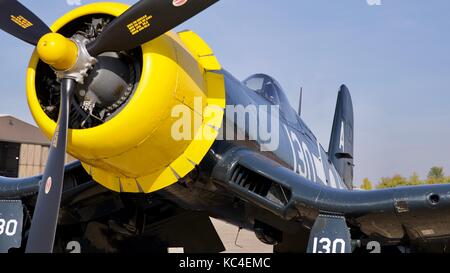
column 43, row 226
column 145, row 21
column 20, row 22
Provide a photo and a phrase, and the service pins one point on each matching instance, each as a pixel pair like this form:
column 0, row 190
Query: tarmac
column 244, row 242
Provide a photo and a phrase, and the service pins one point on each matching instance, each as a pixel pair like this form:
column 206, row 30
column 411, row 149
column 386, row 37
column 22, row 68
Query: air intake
column 260, row 185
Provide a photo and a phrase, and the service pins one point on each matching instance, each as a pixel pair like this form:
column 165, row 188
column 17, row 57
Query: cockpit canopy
column 270, row 89
column 265, row 86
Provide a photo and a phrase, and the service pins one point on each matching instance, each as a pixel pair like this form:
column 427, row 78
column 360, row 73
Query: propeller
column 18, row 21
column 145, row 21
column 71, row 60
column 45, row 217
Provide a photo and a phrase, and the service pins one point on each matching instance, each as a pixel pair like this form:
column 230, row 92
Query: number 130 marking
column 8, row 227
column 328, row 246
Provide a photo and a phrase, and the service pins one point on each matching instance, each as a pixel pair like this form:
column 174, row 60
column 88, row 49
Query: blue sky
column 394, row 58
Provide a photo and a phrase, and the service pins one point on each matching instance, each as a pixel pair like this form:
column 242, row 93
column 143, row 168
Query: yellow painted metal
column 136, row 151
column 57, row 51
column 205, row 54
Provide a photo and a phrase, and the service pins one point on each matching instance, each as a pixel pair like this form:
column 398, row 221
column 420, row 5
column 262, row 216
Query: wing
column 16, row 188
column 409, row 214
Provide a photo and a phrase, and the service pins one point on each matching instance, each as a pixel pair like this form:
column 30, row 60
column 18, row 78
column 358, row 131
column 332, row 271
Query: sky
column 394, row 57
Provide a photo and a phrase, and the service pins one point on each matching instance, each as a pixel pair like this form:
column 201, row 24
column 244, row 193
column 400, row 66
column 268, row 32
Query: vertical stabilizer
column 341, row 142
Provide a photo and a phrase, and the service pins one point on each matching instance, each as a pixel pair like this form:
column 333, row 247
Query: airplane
column 113, row 83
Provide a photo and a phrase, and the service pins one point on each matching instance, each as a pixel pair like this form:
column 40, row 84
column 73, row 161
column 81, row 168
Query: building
column 23, row 148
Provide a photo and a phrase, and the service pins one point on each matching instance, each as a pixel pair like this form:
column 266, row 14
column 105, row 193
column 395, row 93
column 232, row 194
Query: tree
column 414, row 180
column 367, row 184
column 436, row 175
column 393, row 182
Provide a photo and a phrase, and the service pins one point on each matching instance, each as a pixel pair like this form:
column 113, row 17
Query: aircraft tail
column 341, row 142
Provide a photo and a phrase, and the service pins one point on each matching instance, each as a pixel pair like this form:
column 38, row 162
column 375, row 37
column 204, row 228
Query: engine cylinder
column 135, row 150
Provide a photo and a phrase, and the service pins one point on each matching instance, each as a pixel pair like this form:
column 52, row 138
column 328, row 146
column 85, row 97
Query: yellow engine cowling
column 135, row 150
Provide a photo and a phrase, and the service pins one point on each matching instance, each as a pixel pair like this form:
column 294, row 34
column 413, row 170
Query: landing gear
column 330, row 234
column 267, row 234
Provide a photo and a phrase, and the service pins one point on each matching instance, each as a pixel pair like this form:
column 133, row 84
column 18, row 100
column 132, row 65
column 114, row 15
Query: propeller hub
column 57, row 51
